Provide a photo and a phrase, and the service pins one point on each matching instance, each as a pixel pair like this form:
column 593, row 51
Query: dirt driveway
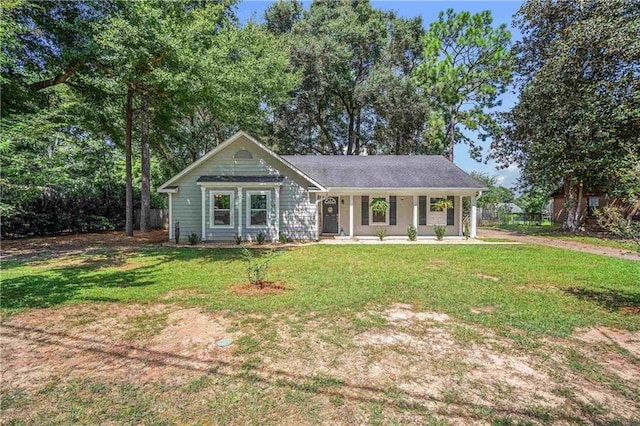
column 555, row 242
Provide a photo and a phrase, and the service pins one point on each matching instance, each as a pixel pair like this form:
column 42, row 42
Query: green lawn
column 532, row 288
column 352, row 339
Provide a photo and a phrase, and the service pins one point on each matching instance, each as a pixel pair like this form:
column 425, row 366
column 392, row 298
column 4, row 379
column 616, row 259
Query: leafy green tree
column 356, row 91
column 495, row 193
column 282, row 15
column 577, row 123
column 533, row 201
column 467, row 66
column 148, row 71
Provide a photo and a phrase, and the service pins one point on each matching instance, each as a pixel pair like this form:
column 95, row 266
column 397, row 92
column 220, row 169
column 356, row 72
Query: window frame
column 434, row 215
column 591, row 208
column 249, row 209
column 212, row 208
column 386, row 215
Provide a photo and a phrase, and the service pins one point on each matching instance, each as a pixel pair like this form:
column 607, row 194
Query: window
column 436, row 217
column 243, row 154
column 432, row 204
column 378, row 218
column 258, row 203
column 221, row 209
column 592, row 205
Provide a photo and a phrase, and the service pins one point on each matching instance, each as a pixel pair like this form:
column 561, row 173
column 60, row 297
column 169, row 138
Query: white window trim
column 232, row 212
column 386, row 215
column 248, row 212
column 430, row 214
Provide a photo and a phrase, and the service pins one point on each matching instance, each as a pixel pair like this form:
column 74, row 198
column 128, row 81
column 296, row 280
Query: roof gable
column 166, row 186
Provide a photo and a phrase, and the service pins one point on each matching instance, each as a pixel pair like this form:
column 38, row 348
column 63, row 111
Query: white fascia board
column 168, row 190
column 406, row 191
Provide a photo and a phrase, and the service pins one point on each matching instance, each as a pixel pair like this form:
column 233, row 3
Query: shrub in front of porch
column 412, row 233
column 440, row 231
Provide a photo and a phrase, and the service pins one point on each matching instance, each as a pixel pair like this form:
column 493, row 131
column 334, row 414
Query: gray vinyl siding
column 297, row 208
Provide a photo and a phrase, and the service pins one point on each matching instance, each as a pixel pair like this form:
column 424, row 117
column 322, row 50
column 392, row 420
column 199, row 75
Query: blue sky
column 502, row 12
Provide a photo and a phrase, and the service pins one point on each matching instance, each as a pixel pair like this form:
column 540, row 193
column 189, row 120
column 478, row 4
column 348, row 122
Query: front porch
column 350, row 215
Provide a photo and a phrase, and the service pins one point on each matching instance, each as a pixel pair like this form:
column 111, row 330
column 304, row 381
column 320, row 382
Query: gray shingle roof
column 383, row 171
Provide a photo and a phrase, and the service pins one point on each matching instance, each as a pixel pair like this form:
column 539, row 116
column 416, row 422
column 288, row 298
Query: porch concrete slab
column 405, row 240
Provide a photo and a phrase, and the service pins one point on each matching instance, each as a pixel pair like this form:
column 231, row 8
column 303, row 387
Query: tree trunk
column 357, row 135
column 350, row 135
column 127, row 154
column 452, row 136
column 573, row 200
column 145, row 186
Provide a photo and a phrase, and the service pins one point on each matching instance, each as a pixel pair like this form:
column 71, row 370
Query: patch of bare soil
column 402, row 313
column 488, row 277
column 483, row 309
column 627, row 340
column 413, row 363
column 32, row 248
column 266, row 288
column 49, row 343
column 417, row 357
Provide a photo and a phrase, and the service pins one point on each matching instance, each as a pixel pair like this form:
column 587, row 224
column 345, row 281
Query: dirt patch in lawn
column 266, row 288
column 115, row 343
column 627, row 340
column 398, row 364
column 488, row 277
column 483, row 309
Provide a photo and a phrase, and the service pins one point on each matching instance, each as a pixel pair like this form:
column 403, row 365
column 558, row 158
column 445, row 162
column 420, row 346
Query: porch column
column 350, row 216
column 415, row 212
column 204, row 228
column 239, row 211
column 170, row 216
column 472, row 225
column 460, row 225
column 277, row 212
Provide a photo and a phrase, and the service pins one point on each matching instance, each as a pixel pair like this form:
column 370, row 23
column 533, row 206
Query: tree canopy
column 467, row 65
column 577, row 123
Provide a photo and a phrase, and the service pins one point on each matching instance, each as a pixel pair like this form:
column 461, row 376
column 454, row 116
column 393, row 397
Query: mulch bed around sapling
column 264, row 288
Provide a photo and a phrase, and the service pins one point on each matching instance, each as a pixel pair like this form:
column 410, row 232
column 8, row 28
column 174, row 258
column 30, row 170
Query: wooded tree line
column 104, row 100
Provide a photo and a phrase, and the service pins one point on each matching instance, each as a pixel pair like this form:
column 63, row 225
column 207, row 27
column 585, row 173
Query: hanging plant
column 443, row 204
column 379, row 206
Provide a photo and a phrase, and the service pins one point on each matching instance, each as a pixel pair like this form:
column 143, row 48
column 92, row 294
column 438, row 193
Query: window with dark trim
column 592, row 205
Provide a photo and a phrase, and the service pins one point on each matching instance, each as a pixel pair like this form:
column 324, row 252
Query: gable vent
column 243, row 154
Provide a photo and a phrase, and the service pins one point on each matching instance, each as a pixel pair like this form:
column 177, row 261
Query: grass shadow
column 612, row 300
column 55, row 284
